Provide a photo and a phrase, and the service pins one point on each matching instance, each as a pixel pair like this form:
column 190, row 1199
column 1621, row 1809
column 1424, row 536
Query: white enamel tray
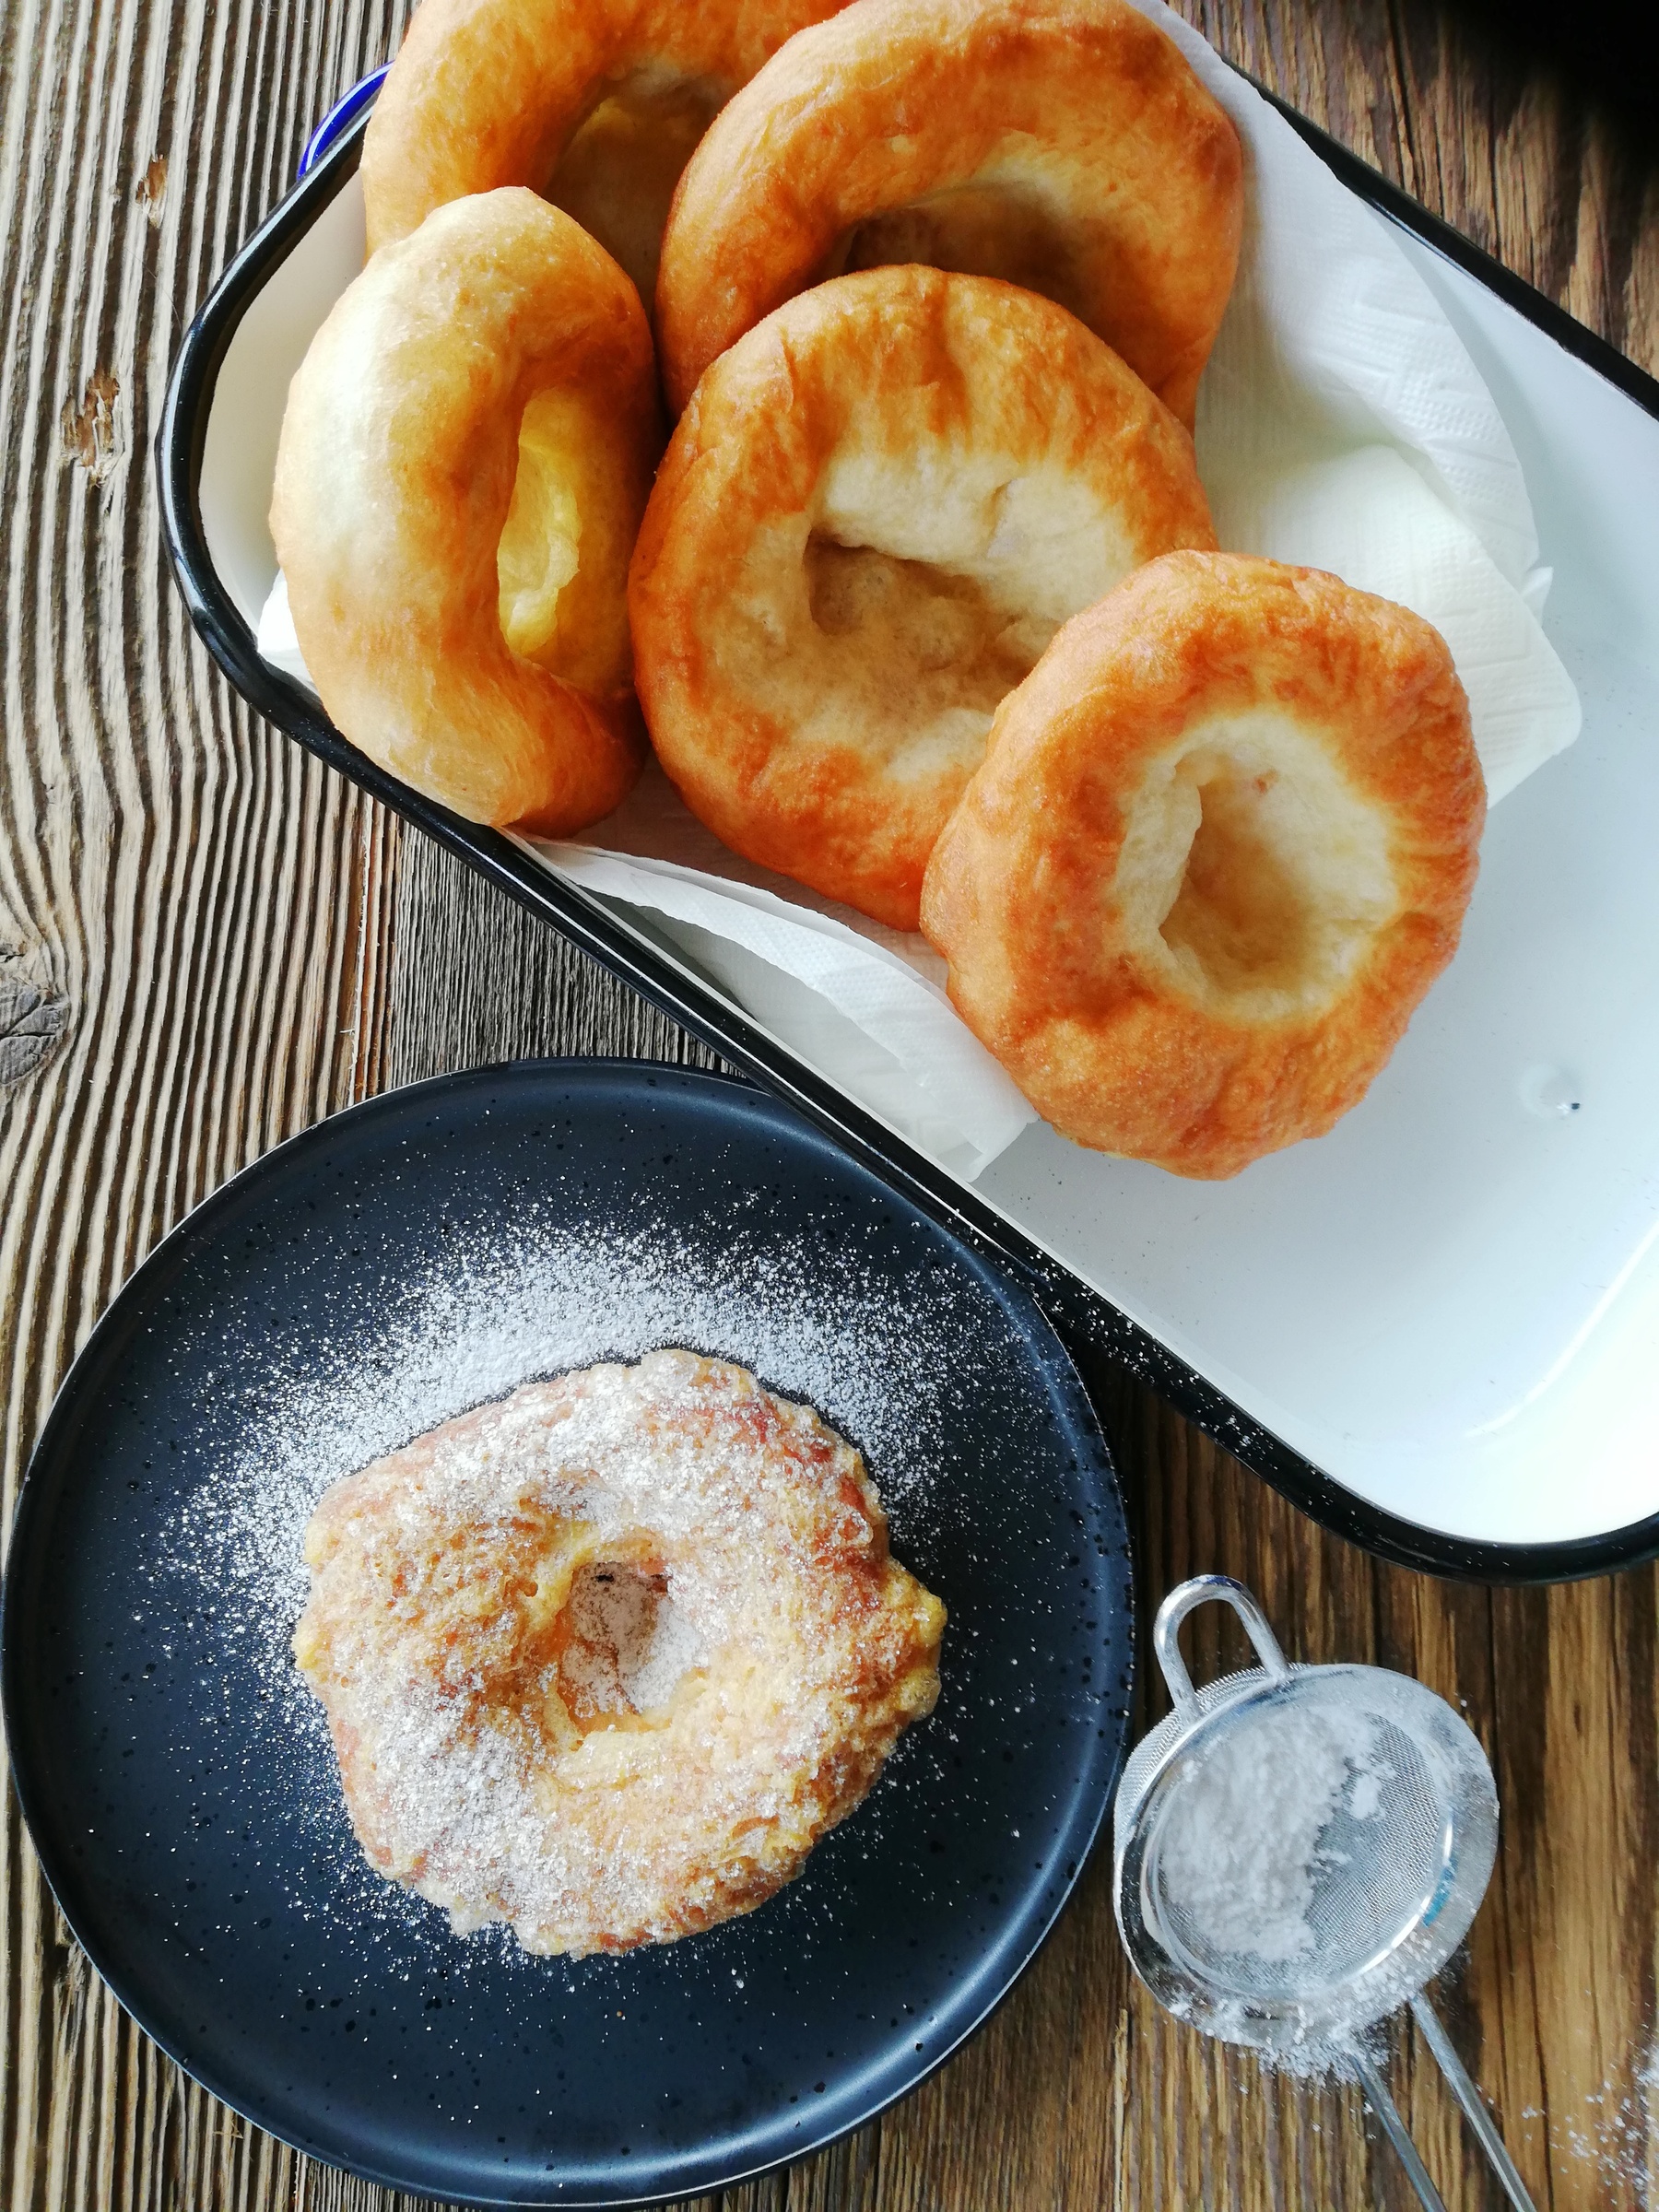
column 1437, row 1328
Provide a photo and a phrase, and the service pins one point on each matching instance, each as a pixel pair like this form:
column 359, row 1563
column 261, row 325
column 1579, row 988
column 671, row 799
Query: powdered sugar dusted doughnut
column 604, row 1660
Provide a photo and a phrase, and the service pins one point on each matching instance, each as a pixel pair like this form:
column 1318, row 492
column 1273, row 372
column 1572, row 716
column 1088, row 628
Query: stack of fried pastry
column 923, row 608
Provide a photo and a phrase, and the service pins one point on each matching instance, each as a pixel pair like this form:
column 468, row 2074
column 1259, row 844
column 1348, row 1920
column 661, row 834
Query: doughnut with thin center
column 605, row 1660
column 877, row 510
column 1221, row 845
column 596, row 103
column 1063, row 145
column 464, row 461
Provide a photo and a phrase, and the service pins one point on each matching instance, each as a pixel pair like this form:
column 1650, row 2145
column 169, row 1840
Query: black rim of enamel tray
column 1084, row 1317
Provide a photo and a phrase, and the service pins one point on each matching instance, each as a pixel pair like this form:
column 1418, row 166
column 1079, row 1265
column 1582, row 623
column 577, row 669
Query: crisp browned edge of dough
column 1013, row 889
column 752, row 445
column 891, row 100
column 591, row 745
column 489, row 92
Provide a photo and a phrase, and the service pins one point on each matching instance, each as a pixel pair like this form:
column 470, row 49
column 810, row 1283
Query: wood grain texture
column 217, row 943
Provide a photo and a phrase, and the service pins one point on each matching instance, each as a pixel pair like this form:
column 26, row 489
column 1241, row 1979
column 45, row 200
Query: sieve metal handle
column 1395, row 2128
column 1166, row 1633
column 1468, row 2096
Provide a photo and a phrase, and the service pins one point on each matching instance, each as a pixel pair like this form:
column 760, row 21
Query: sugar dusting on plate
column 536, row 1298
column 462, row 1739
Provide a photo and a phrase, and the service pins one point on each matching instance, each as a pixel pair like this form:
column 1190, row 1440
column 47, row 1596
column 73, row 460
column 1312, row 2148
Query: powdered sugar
column 1612, row 2128
column 631, row 1644
column 442, row 1626
column 537, row 1298
column 1246, row 1842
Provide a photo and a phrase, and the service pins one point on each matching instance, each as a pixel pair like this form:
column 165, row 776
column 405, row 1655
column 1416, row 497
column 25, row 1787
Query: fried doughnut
column 596, row 103
column 464, row 463
column 1221, row 845
column 1064, row 145
column 605, row 1660
column 875, row 515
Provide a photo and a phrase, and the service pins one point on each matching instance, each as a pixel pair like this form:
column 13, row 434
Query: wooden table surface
column 206, row 942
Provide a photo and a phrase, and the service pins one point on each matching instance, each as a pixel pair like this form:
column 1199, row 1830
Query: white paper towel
column 890, row 1036
column 1367, row 516
column 277, row 640
column 1341, row 424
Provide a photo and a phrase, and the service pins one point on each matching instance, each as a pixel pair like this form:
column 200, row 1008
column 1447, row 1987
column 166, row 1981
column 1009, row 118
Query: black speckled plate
column 422, row 1251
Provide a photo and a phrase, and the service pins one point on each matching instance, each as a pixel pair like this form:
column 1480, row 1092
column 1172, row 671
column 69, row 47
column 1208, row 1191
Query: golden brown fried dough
column 879, row 508
column 464, row 463
column 596, row 103
column 1063, row 145
column 606, row 1660
column 1220, row 847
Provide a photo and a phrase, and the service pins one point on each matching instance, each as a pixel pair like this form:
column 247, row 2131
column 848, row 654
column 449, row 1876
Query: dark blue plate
column 424, row 1251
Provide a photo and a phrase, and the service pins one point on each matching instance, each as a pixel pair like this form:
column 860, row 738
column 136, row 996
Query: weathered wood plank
column 241, row 943
column 478, row 980
column 211, row 908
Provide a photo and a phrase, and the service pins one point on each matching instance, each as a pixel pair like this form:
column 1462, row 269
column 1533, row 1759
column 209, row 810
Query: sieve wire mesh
column 1298, row 1850
column 1371, row 1871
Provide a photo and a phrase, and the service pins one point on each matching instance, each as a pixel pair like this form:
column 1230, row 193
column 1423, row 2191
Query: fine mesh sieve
column 1298, row 1850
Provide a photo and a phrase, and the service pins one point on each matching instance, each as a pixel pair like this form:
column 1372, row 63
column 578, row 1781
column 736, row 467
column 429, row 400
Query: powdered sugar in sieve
column 1299, row 1851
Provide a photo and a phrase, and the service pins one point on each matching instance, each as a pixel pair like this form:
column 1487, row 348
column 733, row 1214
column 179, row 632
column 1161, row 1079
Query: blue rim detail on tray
column 1083, row 1317
column 346, row 111
column 179, row 1785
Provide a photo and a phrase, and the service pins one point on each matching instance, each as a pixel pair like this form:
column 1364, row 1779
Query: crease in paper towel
column 1341, row 425
column 891, row 1037
column 1368, row 517
column 853, row 998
